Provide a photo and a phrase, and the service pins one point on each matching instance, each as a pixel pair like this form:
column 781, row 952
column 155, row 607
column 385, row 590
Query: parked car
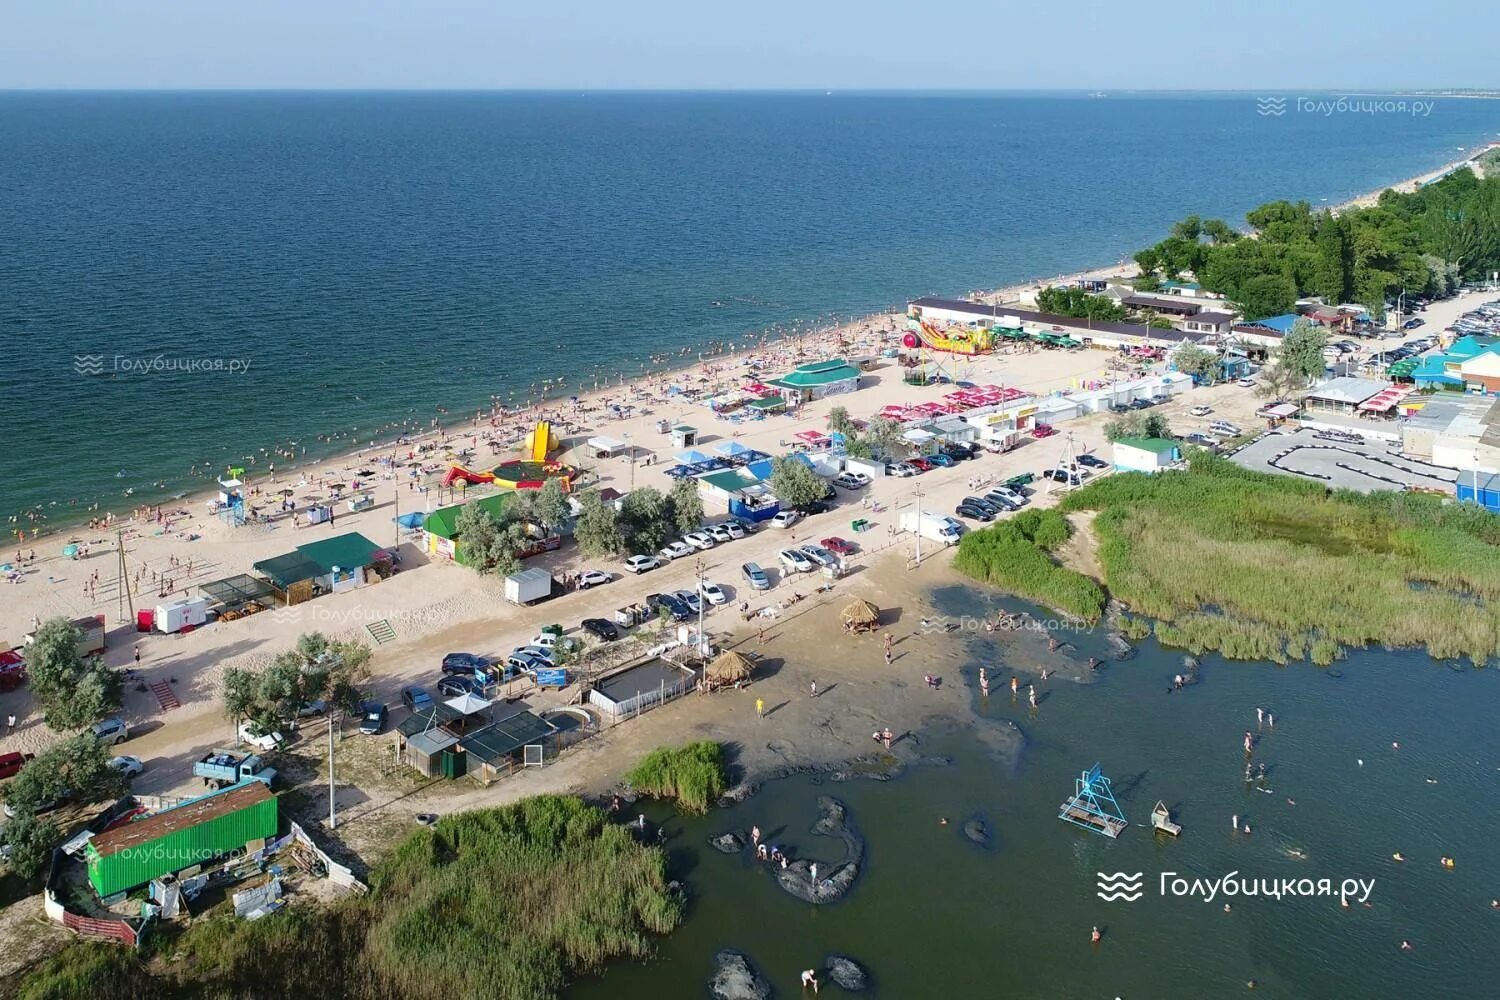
column 454, row 686
column 312, row 709
column 900, row 469
column 847, row 481
column 815, row 507
column 920, row 464
column 1412, row 323
column 1201, row 411
column 700, row 540
column 1093, row 461
column 1043, row 430
column 719, row 533
column 678, row 610
column 690, row 600
column 941, row 460
column 262, row 739
column 755, row 576
column 712, row 592
column 601, row 628
column 1223, row 428
column 675, row 550
column 1063, row 476
column 794, row 561
column 958, row 452
column 1139, row 404
column 982, row 504
column 524, row 663
column 110, row 731
column 839, row 545
column 785, row 518
column 552, row 641
column 371, row 717
column 734, row 529
column 1246, row 383
column 127, row 765
column 11, row 763
column 533, row 652
column 974, row 511
column 593, row 578
column 819, row 555
column 640, row 564
column 1004, row 501
column 1118, row 408
column 464, row 663
column 1201, row 440
column 416, row 698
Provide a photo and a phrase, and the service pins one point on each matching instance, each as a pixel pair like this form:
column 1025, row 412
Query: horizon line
column 1471, row 91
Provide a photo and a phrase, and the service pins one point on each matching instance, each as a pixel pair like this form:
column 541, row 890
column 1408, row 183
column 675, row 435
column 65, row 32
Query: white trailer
column 932, row 526
column 528, row 586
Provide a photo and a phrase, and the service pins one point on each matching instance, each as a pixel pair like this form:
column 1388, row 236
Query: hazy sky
column 872, row 44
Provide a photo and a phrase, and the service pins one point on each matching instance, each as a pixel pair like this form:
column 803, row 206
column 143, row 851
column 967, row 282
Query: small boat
column 1161, row 819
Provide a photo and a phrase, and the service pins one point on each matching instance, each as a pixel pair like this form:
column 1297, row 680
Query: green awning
column 768, row 403
column 348, row 551
column 443, row 522
column 285, row 570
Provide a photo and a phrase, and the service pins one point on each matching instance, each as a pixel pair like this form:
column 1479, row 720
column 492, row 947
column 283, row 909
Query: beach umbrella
column 729, row 667
column 861, row 614
column 70, row 552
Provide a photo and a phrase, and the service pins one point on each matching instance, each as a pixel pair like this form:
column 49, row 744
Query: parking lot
column 1342, row 464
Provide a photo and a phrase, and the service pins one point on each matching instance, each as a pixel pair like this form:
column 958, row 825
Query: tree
column 840, row 422
column 1265, row 295
column 597, row 531
column 1199, row 362
column 687, row 505
column 795, row 483
column 1136, row 424
column 1276, row 381
column 645, row 520
column 77, row 766
column 477, row 535
column 31, row 840
column 1301, row 350
column 241, row 694
column 73, row 691
column 550, row 505
column 884, row 438
column 1070, row 300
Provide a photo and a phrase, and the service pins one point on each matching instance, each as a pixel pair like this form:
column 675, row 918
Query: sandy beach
column 436, row 608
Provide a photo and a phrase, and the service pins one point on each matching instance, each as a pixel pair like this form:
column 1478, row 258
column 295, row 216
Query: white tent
column 605, row 446
column 468, row 704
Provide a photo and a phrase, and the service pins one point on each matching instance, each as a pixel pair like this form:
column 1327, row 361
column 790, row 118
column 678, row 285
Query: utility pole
column 698, row 586
column 333, row 819
column 917, row 493
column 126, row 602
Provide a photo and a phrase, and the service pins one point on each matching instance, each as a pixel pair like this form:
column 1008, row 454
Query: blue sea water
column 251, row 269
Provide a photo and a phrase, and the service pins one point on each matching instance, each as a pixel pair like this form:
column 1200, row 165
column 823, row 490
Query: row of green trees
column 493, row 544
column 1423, row 242
column 1070, row 300
column 645, row 519
column 879, row 438
column 316, row 669
column 75, row 768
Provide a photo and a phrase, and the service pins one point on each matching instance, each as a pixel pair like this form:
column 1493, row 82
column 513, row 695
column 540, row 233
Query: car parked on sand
column 900, row 469
column 785, row 518
column 700, row 540
column 839, row 545
column 110, row 731
column 416, row 698
column 755, row 576
column 127, row 765
column 974, row 511
column 690, row 600
column 263, row 739
column 851, row 481
column 819, row 555
column 593, row 578
column 600, row 628
column 815, row 507
column 1200, row 411
column 640, row 564
column 371, row 717
column 719, row 533
column 1092, row 461
column 464, row 663
column 675, row 550
column 11, row 763
column 795, row 561
column 921, row 464
column 1005, row 501
column 712, row 592
column 1246, row 383
column 1045, row 430
column 454, row 686
column 941, row 460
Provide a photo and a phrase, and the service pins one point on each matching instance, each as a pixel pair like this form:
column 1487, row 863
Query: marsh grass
column 1016, row 555
column 694, row 774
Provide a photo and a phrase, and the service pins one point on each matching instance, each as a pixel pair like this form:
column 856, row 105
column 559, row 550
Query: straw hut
column 861, row 616
column 728, row 667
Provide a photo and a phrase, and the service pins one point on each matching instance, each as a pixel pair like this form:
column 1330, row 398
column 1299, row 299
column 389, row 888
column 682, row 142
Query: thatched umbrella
column 728, row 667
column 861, row 615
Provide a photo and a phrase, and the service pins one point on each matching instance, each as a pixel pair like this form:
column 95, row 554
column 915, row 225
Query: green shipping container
column 196, row 831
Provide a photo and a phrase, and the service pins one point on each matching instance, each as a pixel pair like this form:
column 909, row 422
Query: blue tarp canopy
column 729, row 449
column 412, row 520
column 692, row 457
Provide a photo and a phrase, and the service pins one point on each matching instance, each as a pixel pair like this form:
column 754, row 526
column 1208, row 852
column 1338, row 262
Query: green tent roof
column 348, row 551
column 1160, row 446
column 768, row 403
column 443, row 522
column 818, row 373
column 285, row 570
column 729, row 480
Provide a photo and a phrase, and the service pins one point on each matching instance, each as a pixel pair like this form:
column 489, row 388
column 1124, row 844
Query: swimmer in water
column 1095, row 936
column 1398, row 856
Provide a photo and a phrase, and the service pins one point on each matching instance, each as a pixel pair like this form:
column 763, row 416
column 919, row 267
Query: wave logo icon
column 1270, row 106
column 1119, row 886
column 88, row 364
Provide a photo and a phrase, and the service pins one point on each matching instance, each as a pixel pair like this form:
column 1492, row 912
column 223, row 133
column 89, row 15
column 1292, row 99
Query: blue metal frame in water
column 1093, row 805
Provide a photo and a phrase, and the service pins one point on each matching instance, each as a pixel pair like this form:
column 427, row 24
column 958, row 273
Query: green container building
column 196, row 831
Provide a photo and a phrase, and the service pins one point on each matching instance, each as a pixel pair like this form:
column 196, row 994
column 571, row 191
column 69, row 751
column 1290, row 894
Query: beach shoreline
column 323, row 462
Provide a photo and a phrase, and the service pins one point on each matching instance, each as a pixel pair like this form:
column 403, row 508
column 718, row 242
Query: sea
column 1383, row 753
column 190, row 281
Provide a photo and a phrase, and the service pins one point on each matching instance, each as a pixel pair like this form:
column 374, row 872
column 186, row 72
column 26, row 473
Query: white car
column 719, row 533
column 901, row 469
column 700, row 540
column 851, row 480
column 712, row 592
column 546, row 640
column 592, row 578
column 640, row 564
column 734, row 529
column 533, row 652
column 1223, row 428
column 1201, row 411
column 127, row 765
column 259, row 738
column 1246, row 383
column 785, row 519
column 795, row 561
column 819, row 555
column 675, row 550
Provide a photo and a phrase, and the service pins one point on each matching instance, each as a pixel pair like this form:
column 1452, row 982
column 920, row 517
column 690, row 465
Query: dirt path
column 1081, row 551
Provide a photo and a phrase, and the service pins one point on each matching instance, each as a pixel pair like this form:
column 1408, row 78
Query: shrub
column 693, row 774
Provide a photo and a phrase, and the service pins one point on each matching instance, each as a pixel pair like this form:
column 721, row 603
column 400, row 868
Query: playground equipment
column 1093, row 805
column 956, row 340
column 1161, row 819
column 457, row 473
column 540, row 442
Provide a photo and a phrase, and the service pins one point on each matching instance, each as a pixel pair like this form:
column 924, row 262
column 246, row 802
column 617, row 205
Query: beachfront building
column 1145, row 454
column 1166, row 305
column 1460, row 432
column 1003, row 425
column 1341, row 396
column 744, row 492
column 816, row 380
column 1444, row 369
column 330, row 566
column 440, row 529
column 1191, row 290
column 1481, row 373
column 1260, row 336
column 1090, row 333
column 1208, row 322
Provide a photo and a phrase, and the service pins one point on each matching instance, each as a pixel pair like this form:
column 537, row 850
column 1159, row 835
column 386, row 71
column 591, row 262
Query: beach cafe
column 330, row 566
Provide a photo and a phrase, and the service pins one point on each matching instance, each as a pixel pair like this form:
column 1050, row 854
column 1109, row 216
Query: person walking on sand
column 10, row 723
column 138, row 654
column 813, row 688
column 760, row 708
column 762, row 637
